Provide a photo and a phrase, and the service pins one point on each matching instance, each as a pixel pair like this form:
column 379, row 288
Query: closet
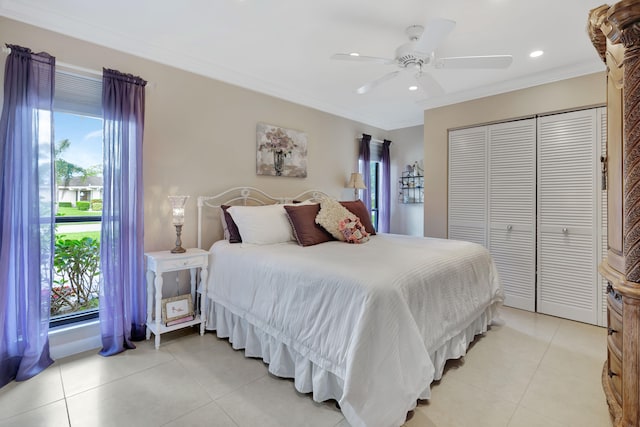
column 468, row 185
column 529, row 191
column 511, row 200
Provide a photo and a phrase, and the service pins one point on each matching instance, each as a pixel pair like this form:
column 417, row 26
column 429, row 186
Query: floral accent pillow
column 340, row 222
column 353, row 231
column 358, row 208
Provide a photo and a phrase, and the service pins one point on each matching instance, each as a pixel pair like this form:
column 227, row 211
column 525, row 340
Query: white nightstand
column 163, row 262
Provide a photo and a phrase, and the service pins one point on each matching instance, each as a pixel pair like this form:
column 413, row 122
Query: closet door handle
column 509, row 227
column 565, row 230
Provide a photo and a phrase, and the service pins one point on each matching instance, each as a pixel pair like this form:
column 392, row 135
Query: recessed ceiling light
column 536, row 53
column 413, row 87
column 354, row 54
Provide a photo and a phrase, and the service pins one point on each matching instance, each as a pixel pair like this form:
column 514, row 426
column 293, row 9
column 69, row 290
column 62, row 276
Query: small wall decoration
column 280, row 151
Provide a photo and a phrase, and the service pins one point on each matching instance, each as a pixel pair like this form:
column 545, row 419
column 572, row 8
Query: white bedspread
column 374, row 315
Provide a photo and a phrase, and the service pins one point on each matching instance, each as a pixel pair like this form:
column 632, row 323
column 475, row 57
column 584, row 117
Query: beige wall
column 407, row 147
column 200, row 133
column 568, row 94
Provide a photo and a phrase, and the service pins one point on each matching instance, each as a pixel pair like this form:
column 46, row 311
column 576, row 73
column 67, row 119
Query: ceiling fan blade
column 488, row 61
column 360, row 58
column 368, row 86
column 434, row 33
column 429, row 85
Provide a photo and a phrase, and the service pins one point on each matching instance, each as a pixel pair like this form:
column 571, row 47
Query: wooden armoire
column 615, row 32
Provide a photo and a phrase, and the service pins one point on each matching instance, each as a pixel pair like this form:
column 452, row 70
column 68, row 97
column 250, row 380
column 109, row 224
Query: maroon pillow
column 234, row 233
column 358, row 208
column 303, row 222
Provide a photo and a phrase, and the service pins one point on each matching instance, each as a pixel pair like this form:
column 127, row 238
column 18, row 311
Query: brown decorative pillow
column 303, row 222
column 358, row 208
column 234, row 233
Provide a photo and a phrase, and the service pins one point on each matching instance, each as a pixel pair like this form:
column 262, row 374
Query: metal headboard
column 250, row 196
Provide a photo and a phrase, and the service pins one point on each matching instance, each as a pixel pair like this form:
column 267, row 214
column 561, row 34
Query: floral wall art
column 280, row 151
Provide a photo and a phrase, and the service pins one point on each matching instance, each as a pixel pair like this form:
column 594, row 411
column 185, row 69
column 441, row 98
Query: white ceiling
column 282, row 47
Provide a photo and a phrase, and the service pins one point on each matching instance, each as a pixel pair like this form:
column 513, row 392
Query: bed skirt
column 285, row 362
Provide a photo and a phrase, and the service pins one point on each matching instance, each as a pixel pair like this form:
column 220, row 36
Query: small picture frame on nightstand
column 177, row 308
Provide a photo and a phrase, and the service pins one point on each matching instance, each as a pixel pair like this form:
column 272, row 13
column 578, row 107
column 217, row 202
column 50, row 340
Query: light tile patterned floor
column 535, row 370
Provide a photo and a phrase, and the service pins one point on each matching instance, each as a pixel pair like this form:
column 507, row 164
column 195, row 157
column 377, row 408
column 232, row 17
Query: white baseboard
column 72, row 339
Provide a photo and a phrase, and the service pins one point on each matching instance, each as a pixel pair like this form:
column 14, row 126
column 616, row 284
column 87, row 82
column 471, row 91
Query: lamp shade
column 356, row 181
column 177, row 208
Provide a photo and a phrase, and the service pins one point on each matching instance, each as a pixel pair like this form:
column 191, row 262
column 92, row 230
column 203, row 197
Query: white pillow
column 262, row 225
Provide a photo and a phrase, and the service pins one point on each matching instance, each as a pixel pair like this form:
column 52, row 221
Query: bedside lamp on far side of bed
column 357, row 183
column 177, row 209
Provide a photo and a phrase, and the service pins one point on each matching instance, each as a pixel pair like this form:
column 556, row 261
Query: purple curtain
column 385, row 189
column 26, row 212
column 365, row 168
column 122, row 289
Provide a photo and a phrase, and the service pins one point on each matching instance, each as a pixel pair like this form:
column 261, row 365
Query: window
column 374, row 171
column 78, row 171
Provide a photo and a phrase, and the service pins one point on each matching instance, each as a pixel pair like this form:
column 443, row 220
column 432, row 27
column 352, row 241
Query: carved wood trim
column 625, row 29
column 615, row 410
column 631, row 163
column 597, row 17
column 630, row 360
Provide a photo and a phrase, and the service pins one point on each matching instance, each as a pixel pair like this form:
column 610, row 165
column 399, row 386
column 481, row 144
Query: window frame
column 78, row 94
column 374, row 192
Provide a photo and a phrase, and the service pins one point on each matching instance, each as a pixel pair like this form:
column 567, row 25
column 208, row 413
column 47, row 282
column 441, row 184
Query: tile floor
column 534, row 370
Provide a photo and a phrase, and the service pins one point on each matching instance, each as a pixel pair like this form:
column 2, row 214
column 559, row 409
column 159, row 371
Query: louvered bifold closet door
column 512, row 209
column 467, row 219
column 567, row 215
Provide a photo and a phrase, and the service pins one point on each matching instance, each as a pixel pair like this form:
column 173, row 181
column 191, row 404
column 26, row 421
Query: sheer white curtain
column 26, row 211
column 123, row 288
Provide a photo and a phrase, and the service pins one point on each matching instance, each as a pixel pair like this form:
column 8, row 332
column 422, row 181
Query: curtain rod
column 65, row 65
column 377, row 141
column 71, row 67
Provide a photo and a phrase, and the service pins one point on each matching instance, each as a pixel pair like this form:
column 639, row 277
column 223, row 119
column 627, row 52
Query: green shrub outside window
column 83, row 206
column 77, row 267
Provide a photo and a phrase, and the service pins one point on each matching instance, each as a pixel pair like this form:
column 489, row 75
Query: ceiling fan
column 419, row 53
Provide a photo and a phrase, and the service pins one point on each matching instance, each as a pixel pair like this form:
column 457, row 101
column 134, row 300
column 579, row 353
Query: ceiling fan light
column 413, row 88
column 536, row 53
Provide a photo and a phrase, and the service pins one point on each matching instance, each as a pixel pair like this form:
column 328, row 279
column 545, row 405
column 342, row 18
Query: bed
column 370, row 325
